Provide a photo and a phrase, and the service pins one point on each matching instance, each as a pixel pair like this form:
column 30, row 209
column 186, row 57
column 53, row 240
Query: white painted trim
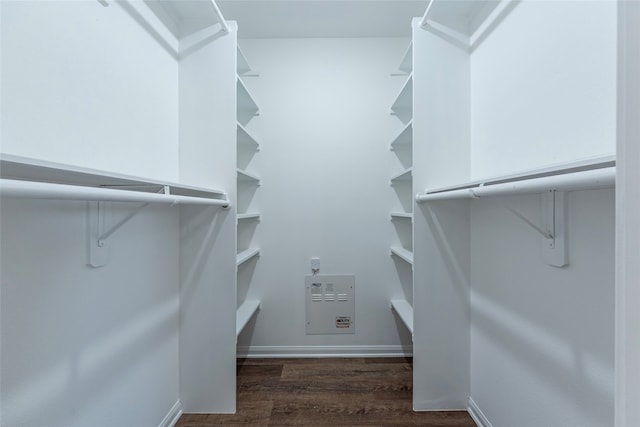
column 477, row 414
column 627, row 315
column 172, row 416
column 325, row 351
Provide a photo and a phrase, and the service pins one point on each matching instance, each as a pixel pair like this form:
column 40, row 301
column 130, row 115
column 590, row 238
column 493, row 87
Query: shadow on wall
column 89, row 369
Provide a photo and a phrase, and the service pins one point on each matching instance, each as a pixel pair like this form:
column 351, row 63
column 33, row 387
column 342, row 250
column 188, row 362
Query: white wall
column 541, row 336
column 543, row 87
column 325, row 165
column 543, row 92
column 84, row 346
column 627, row 412
column 96, row 87
column 80, row 92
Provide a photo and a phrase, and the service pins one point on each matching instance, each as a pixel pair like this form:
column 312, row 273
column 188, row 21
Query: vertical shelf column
column 441, row 341
column 402, row 183
column 207, row 239
column 247, row 183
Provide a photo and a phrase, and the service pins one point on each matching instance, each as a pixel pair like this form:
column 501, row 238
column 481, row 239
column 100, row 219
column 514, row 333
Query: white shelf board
column 245, row 176
column 468, row 21
column 242, row 65
column 404, row 311
column 254, row 215
column 591, row 163
column 245, row 102
column 406, row 65
column 403, row 215
column 29, row 169
column 183, row 18
column 244, row 313
column 404, row 138
column 243, row 137
column 403, row 254
column 246, row 255
column 404, row 100
column 402, row 176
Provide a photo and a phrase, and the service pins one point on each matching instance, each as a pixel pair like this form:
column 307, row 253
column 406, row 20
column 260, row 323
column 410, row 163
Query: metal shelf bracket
column 97, row 234
column 552, row 231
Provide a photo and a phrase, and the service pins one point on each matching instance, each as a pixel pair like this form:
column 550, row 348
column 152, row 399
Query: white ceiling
column 322, row 18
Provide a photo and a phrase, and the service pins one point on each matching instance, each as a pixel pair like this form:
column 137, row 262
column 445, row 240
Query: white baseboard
column 325, row 351
column 173, row 416
column 477, row 414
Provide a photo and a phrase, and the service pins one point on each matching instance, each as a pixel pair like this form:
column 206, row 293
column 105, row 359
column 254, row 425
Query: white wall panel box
column 330, row 304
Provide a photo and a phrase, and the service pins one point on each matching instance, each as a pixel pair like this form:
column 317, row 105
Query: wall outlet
column 315, row 264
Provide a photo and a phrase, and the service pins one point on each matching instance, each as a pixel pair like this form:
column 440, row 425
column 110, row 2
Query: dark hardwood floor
column 326, row 392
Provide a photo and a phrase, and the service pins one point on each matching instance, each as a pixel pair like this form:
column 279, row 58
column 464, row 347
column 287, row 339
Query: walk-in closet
column 189, row 187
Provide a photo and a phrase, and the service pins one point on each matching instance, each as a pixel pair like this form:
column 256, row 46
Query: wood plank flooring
column 372, row 392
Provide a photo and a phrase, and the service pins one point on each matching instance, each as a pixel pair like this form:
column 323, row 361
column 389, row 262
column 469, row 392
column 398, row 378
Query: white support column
column 627, row 322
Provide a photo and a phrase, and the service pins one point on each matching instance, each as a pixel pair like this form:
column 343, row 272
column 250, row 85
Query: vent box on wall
column 330, row 304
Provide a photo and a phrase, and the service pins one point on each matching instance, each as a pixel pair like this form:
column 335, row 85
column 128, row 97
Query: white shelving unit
column 246, row 146
column 593, row 173
column 404, row 100
column 243, row 67
column 53, row 176
column 402, row 182
column 244, row 138
column 403, row 176
column 246, row 255
column 404, row 139
column 406, row 65
column 244, row 313
column 404, row 311
column 246, row 105
column 461, row 240
column 403, row 215
column 248, row 216
column 244, row 176
column 402, row 253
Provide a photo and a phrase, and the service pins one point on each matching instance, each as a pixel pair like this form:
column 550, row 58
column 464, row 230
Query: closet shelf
column 244, row 176
column 402, row 176
column 243, row 137
column 465, row 23
column 255, row 216
column 244, row 313
column 33, row 178
column 404, row 139
column 406, row 65
column 404, row 100
column 403, row 215
column 594, row 173
column 246, row 255
column 402, row 253
column 242, row 66
column 404, row 310
column 246, row 103
column 185, row 17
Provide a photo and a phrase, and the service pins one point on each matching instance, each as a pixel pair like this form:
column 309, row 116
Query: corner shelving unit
column 402, row 182
column 246, row 147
